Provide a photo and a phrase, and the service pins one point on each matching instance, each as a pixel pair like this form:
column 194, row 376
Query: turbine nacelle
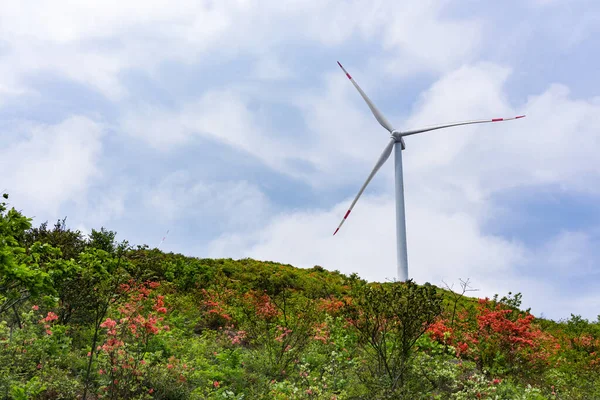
column 397, row 136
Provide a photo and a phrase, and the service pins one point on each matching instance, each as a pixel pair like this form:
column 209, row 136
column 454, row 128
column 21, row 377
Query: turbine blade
column 382, row 159
column 378, row 115
column 479, row 121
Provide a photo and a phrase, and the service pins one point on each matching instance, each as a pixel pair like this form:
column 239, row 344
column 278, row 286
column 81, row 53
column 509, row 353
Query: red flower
column 440, row 332
column 109, row 323
column 51, row 317
column 462, row 348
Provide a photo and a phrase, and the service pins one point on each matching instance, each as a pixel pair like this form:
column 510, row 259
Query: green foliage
column 22, row 270
column 389, row 319
column 70, row 243
column 29, row 389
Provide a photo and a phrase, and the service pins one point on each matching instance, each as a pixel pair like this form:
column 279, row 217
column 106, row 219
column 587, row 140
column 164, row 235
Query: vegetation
column 89, row 317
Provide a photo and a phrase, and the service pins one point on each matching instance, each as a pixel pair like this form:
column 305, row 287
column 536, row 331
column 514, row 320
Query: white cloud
column 423, row 40
column 555, row 144
column 566, row 23
column 105, row 205
column 236, row 205
column 569, row 255
column 95, row 42
column 220, row 115
column 52, row 164
column 270, row 68
column 339, row 135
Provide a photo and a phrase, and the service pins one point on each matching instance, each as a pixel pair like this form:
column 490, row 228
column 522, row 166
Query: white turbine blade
column 382, row 159
column 480, row 121
column 163, row 239
column 378, row 115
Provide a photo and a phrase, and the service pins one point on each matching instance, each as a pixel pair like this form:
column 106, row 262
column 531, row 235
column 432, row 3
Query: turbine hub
column 397, row 136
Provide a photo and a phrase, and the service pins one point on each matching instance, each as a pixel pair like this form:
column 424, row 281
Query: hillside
column 90, row 317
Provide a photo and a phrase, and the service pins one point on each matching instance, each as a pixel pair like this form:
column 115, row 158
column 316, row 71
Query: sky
column 229, row 124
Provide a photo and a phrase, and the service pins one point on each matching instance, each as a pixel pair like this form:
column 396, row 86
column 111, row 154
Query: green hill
column 89, row 317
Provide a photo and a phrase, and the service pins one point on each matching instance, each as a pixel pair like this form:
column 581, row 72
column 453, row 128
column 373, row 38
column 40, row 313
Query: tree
column 24, row 272
column 70, row 243
column 389, row 318
column 102, row 274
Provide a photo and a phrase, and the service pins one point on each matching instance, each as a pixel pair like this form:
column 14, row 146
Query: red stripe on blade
column 336, row 231
column 520, row 116
column 497, row 119
column 347, row 213
column 347, row 74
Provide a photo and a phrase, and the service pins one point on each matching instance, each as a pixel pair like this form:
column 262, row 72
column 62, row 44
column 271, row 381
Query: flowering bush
column 499, row 339
column 123, row 367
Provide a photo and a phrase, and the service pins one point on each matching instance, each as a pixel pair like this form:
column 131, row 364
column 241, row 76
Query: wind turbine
column 397, row 143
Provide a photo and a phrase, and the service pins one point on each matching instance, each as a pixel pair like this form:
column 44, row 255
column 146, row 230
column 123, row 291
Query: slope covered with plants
column 90, row 317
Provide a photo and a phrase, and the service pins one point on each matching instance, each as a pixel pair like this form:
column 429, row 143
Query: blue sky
column 229, row 124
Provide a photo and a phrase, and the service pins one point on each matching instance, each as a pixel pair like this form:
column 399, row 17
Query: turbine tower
column 397, row 144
